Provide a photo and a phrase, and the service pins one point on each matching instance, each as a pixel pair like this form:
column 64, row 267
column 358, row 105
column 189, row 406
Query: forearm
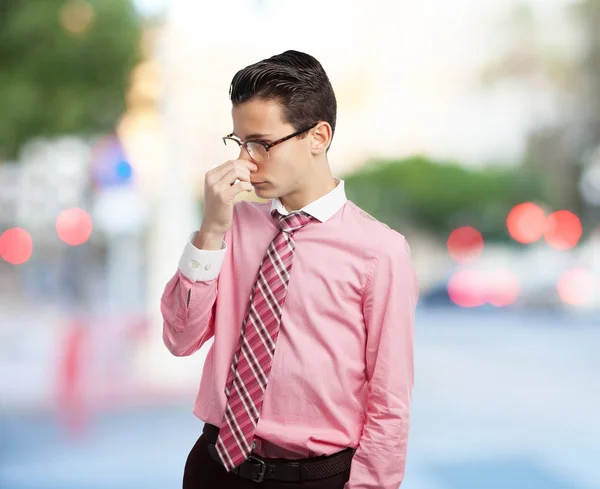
column 187, row 311
column 188, row 301
column 208, row 240
column 380, row 459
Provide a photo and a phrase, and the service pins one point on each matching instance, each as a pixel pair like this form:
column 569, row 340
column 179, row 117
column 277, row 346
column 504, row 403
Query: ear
column 321, row 137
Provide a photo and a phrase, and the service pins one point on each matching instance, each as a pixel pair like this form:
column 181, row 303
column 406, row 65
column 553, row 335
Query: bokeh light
column 77, row 16
column 502, row 288
column 110, row 166
column 16, row 246
column 526, row 222
column 465, row 244
column 123, row 170
column 563, row 230
column 74, row 226
column 576, row 286
column 466, row 288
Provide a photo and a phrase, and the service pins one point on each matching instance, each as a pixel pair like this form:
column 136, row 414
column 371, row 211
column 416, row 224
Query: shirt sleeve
column 201, row 265
column 187, row 303
column 389, row 303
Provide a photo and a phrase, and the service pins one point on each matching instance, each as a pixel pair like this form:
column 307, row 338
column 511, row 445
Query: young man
column 309, row 299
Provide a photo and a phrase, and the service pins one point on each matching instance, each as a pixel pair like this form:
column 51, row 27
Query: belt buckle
column 263, row 469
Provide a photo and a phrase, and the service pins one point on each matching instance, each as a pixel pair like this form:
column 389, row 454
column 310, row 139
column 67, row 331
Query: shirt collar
column 321, row 209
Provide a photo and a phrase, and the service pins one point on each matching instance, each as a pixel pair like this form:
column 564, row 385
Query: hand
column 221, row 185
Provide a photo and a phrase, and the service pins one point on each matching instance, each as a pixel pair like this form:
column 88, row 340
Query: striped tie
column 249, row 374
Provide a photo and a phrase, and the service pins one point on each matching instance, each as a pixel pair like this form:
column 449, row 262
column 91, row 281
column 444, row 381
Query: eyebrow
column 254, row 136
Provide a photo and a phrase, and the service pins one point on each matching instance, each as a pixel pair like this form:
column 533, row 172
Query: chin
column 266, row 191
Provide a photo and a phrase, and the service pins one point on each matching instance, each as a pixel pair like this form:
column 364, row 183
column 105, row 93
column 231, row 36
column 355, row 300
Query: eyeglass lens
column 256, row 151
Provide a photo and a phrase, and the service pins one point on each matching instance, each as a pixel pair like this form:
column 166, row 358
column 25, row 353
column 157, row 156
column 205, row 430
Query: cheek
column 274, row 168
column 285, row 165
column 283, row 172
column 291, row 163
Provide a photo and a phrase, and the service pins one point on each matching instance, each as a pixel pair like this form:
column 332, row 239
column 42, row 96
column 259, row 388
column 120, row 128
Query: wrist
column 205, row 239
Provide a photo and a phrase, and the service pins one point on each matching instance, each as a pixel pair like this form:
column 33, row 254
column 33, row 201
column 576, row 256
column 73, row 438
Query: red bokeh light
column 465, row 244
column 576, row 286
column 16, row 246
column 563, row 230
column 74, row 226
column 502, row 288
column 474, row 288
column 526, row 222
column 466, row 288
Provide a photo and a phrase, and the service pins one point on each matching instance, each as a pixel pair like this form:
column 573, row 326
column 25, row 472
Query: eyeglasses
column 258, row 150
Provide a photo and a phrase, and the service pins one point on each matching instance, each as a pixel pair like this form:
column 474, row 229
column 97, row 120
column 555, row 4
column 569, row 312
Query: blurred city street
column 472, row 128
column 501, row 401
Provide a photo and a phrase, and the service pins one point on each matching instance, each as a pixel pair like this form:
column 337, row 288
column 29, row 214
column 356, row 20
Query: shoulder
column 374, row 233
column 364, row 218
column 389, row 254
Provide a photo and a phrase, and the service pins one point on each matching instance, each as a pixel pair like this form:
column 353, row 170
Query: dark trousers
column 203, row 472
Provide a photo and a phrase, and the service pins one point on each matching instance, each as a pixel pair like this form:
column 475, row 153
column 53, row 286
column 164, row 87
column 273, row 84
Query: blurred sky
column 152, row 6
column 155, row 6
column 407, row 74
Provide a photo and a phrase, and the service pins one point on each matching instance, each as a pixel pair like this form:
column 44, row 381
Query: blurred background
column 473, row 128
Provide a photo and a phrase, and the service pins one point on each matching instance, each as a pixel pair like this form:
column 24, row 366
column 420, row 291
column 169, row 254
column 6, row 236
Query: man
column 309, row 299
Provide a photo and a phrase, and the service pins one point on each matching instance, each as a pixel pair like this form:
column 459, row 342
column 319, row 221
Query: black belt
column 258, row 469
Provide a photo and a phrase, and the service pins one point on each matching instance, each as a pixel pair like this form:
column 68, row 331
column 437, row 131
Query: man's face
column 285, row 169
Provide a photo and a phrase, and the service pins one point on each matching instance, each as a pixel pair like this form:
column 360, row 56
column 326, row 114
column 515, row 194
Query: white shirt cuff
column 201, row 265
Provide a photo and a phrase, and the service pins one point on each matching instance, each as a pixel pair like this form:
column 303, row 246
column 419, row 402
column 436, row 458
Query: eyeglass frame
column 267, row 146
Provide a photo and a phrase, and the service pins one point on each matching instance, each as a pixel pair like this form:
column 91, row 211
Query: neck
column 320, row 183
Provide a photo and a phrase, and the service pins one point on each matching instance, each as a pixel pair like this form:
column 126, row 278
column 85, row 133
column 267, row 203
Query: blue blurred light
column 110, row 167
column 123, row 170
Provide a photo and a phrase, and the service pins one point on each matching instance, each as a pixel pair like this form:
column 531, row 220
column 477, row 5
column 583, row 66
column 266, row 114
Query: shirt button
column 207, row 266
column 253, row 445
column 195, row 264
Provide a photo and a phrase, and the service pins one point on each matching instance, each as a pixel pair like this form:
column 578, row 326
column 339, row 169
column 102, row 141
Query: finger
column 231, row 177
column 236, row 189
column 215, row 174
column 218, row 173
column 247, row 163
column 228, row 178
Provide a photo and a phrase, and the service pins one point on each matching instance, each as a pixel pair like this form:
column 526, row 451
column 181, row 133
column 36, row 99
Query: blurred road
column 502, row 400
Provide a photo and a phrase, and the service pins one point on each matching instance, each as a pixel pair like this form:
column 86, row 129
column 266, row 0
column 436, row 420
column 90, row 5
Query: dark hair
column 296, row 80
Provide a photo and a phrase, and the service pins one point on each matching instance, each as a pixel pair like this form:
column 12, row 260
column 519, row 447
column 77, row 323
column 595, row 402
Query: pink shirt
column 342, row 375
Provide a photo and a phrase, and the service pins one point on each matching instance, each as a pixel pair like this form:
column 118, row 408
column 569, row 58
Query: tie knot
column 293, row 221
